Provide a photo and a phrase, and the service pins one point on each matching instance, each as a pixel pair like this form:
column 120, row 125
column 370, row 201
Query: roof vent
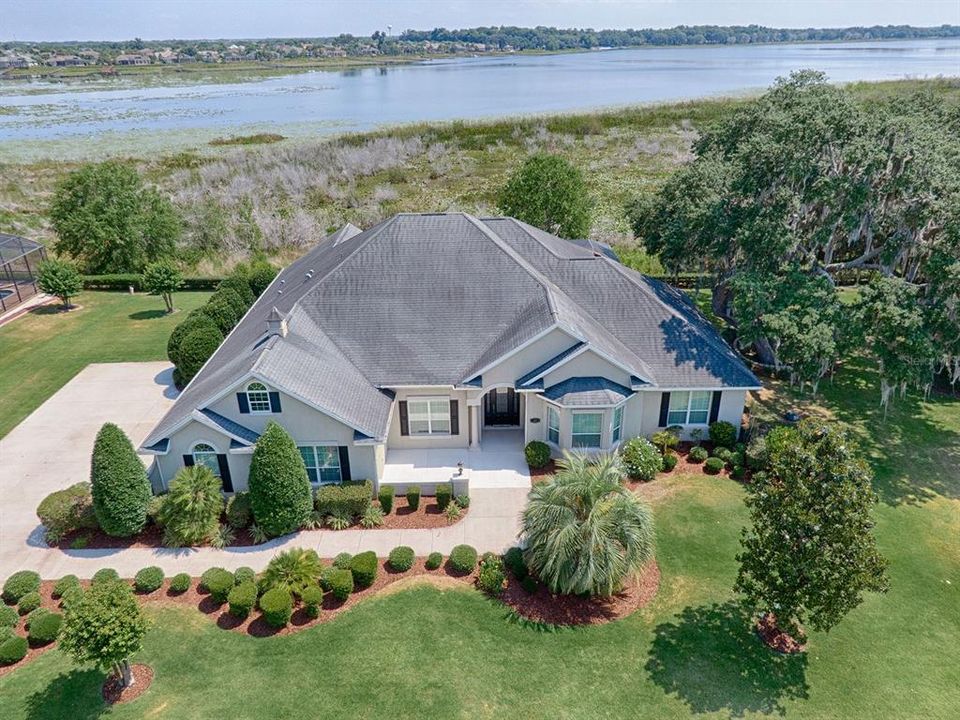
column 276, row 323
column 309, row 273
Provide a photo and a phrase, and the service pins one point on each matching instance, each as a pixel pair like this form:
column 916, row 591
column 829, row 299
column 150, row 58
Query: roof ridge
column 525, row 228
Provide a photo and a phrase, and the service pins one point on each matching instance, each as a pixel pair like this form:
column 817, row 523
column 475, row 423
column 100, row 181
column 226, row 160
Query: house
column 64, row 61
column 132, row 60
column 431, row 330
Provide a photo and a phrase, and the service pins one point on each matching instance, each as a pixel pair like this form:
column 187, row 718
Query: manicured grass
column 45, row 349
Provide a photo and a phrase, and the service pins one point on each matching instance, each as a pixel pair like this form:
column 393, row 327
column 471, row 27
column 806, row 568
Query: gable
column 587, row 364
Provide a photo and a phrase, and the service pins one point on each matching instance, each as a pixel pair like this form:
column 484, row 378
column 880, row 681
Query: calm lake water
column 331, row 102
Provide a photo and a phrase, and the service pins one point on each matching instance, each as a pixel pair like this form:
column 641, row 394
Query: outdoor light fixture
column 460, row 468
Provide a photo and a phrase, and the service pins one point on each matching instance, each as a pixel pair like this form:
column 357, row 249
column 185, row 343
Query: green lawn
column 44, row 350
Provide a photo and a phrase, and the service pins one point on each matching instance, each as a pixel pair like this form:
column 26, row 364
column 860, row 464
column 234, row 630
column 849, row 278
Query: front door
column 501, row 407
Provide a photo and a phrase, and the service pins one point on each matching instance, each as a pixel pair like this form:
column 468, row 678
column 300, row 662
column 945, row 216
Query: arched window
column 205, row 454
column 258, row 398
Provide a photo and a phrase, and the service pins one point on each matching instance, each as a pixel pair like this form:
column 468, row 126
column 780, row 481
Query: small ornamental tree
column 549, row 193
column 280, row 494
column 105, row 626
column 809, row 554
column 118, row 483
column 61, row 279
column 162, row 278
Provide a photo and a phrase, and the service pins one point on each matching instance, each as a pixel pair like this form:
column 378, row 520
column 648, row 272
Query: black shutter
column 275, row 402
column 225, row 473
column 454, row 417
column 188, row 460
column 715, row 406
column 344, row 463
column 404, row 424
column 242, row 402
column 664, row 408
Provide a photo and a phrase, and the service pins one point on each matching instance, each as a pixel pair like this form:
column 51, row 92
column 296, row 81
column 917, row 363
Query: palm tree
column 585, row 531
column 293, row 570
column 191, row 510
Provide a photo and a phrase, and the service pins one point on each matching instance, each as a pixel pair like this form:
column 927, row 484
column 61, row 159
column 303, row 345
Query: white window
column 204, row 454
column 689, row 408
column 616, row 427
column 553, row 425
column 429, row 416
column 586, row 429
column 258, row 398
column 323, row 463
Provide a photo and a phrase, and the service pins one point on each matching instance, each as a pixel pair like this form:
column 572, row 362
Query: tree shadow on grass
column 75, row 695
column 711, row 659
column 148, row 314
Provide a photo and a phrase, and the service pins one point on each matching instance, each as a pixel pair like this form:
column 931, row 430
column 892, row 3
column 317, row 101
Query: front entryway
column 501, row 407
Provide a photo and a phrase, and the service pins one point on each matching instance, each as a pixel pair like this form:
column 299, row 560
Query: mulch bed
column 114, row 693
column 775, row 638
column 539, row 475
column 46, row 587
column 544, row 607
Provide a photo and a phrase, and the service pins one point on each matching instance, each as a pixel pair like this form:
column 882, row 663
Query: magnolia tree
column 806, row 188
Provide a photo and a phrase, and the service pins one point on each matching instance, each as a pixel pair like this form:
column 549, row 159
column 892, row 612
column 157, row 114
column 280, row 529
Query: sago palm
column 191, row 510
column 293, row 570
column 585, row 532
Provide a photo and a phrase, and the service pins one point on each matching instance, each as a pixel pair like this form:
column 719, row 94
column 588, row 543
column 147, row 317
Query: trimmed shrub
column 149, row 579
column 340, row 583
column 757, row 454
column 104, row 575
column 364, row 569
column 723, row 433
column 35, row 615
column 119, row 484
column 155, row 509
column 413, row 497
column 463, row 559
column 641, row 459
column 723, row 453
column 385, row 496
column 180, row 583
column 537, row 454
column 20, row 584
column 434, row 560
column 196, row 320
column 44, row 629
column 515, row 563
column 29, row 602
column 342, row 561
column 260, row 276
column 401, row 558
column 221, row 310
column 195, row 349
column 13, row 650
column 492, row 578
column 191, row 512
column 312, row 600
column 463, row 501
column 280, row 493
column 698, row 454
column 239, row 511
column 218, row 582
column 8, row 616
column 277, row 607
column 244, row 574
column 232, row 298
column 529, row 585
column 669, row 462
column 738, row 472
column 242, row 598
column 239, row 285
column 713, row 465
column 70, row 596
column 67, row 510
column 444, row 495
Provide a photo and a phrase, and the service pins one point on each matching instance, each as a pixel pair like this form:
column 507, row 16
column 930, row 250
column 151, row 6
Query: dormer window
column 258, row 398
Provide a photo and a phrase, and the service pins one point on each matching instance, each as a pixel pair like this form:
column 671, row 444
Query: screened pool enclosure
column 19, row 259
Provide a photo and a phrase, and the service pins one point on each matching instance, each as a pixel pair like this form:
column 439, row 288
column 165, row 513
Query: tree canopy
column 61, row 279
column 549, row 193
column 803, row 190
column 162, row 278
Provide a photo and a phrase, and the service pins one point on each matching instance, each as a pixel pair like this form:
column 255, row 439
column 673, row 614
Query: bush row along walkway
column 50, row 450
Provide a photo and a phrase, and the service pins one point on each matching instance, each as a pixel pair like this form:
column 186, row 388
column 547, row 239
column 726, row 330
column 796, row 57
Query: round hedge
column 342, row 561
column 218, row 582
column 723, row 433
column 515, row 563
column 195, row 349
column 29, row 602
column 230, row 296
column 8, row 616
column 242, row 598
column 641, row 459
column 669, row 462
column 180, row 583
column 35, row 615
column 364, row 569
column 260, row 276
column 240, row 286
column 724, row 453
column 13, row 650
column 340, row 582
column 67, row 510
column 698, row 454
column 70, row 596
column 222, row 312
column 19, row 584
column 713, row 465
column 196, row 320
column 312, row 598
column 537, row 454
column 463, row 559
column 434, row 560
column 149, row 579
column 45, row 629
column 63, row 585
column 280, row 493
column 243, row 574
column 401, row 558
column 277, row 607
column 119, row 484
column 104, row 575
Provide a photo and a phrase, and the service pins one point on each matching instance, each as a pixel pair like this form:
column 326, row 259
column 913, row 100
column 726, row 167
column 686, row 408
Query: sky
column 194, row 19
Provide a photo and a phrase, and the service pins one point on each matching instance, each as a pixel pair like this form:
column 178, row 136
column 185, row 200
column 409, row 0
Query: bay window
column 553, row 425
column 586, row 429
column 616, row 427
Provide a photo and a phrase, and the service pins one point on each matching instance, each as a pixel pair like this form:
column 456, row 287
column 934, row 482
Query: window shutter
column 664, row 409
column 344, row 463
column 242, row 402
column 188, row 460
column 454, row 417
column 275, row 402
column 404, row 424
column 225, row 473
column 715, row 406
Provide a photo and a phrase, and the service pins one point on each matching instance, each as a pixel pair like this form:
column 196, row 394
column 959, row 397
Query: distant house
column 440, row 331
column 13, row 61
column 64, row 61
column 208, row 56
column 132, row 60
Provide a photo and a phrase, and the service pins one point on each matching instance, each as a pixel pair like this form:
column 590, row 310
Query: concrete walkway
column 51, row 450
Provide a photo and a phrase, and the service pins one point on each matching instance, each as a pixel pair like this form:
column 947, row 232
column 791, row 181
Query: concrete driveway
column 51, row 449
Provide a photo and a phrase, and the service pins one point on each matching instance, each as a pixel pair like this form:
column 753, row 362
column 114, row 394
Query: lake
column 40, row 116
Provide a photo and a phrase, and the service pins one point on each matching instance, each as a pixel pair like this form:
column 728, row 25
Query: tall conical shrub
column 119, row 484
column 280, row 494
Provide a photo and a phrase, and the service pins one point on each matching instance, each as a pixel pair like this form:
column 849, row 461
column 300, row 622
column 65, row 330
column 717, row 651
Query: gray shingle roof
column 230, row 427
column 587, row 391
column 433, row 299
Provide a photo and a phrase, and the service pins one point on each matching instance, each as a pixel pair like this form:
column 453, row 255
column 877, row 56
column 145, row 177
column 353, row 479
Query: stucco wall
column 587, row 364
column 396, row 440
column 518, row 365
